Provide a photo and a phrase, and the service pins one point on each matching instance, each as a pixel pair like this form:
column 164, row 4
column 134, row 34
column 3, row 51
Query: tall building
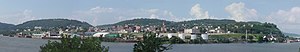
column 163, row 28
column 137, row 28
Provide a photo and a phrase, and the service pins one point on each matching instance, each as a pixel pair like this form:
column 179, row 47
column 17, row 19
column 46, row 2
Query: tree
column 75, row 44
column 176, row 40
column 260, row 39
column 151, row 43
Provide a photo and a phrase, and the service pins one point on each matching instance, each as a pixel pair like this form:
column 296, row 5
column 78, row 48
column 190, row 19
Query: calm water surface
column 10, row 44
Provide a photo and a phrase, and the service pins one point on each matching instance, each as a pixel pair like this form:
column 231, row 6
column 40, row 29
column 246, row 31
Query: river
column 11, row 44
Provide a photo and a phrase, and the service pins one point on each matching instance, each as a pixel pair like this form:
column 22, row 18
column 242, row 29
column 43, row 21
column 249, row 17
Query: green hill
column 292, row 35
column 6, row 29
column 53, row 23
column 142, row 22
column 207, row 22
column 5, row 26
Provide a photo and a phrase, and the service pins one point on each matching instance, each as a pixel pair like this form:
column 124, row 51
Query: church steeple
column 163, row 28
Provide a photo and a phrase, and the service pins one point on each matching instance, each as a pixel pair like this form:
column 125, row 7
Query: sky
column 284, row 13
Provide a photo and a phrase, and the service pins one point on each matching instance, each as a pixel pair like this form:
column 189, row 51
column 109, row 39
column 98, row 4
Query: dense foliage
column 4, row 26
column 176, row 40
column 74, row 45
column 6, row 29
column 53, row 23
column 151, row 43
column 144, row 22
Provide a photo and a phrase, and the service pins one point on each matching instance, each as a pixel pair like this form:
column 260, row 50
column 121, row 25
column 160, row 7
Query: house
column 38, row 35
column 52, row 34
column 32, row 34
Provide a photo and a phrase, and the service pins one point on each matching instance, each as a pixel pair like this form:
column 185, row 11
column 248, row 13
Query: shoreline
column 57, row 39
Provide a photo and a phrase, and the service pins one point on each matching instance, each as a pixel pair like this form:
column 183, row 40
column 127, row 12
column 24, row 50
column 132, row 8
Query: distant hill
column 292, row 35
column 5, row 26
column 207, row 22
column 225, row 24
column 52, row 23
column 142, row 22
column 6, row 29
column 145, row 21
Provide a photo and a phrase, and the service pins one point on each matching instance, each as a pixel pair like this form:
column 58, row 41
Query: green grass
column 237, row 35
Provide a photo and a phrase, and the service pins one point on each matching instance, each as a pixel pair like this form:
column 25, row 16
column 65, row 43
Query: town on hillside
column 182, row 33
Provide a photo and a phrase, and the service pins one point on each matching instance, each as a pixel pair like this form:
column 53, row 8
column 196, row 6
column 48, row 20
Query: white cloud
column 96, row 15
column 198, row 12
column 169, row 15
column 153, row 16
column 282, row 16
column 100, row 10
column 138, row 13
column 287, row 20
column 93, row 12
column 104, row 15
column 152, row 11
column 28, row 15
column 239, row 12
column 18, row 18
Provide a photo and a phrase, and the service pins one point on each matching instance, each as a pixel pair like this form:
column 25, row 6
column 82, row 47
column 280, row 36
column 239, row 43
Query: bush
column 151, row 43
column 176, row 40
column 75, row 44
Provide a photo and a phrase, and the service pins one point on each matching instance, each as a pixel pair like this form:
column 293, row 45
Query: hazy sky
column 284, row 13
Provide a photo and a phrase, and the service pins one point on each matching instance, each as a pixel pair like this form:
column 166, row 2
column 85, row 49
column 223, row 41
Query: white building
column 100, row 34
column 170, row 36
column 180, row 35
column 193, row 36
column 191, row 31
column 204, row 36
column 41, row 35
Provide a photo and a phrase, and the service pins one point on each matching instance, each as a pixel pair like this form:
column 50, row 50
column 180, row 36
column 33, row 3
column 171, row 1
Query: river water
column 11, row 44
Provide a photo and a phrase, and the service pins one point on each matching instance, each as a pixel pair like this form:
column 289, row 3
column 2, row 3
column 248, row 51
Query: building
column 31, row 34
column 113, row 35
column 100, row 34
column 191, row 31
column 204, row 36
column 88, row 34
column 163, row 28
column 180, row 35
column 40, row 35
